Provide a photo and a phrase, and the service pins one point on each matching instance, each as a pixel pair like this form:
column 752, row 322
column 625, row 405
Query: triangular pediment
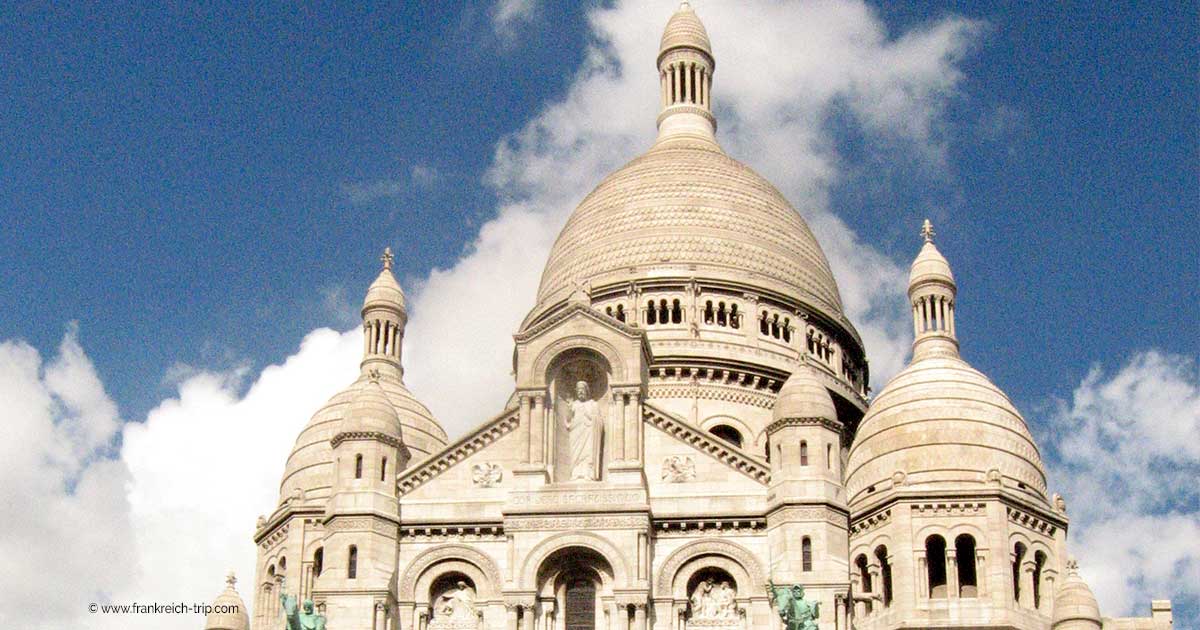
column 754, row 467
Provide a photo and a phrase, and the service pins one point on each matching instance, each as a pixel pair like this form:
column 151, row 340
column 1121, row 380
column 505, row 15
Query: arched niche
column 578, row 542
column 453, row 599
column 578, row 385
column 680, row 567
column 573, row 585
column 417, row 582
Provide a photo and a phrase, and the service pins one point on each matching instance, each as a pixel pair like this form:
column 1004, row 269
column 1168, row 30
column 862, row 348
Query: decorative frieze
column 716, row 527
column 347, row 436
column 580, row 522
column 462, row 532
column 1031, row 521
column 949, row 508
column 874, row 521
column 574, row 496
column 794, row 513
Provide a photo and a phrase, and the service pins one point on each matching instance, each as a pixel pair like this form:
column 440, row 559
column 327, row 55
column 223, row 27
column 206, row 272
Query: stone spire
column 685, row 69
column 931, row 292
column 384, row 317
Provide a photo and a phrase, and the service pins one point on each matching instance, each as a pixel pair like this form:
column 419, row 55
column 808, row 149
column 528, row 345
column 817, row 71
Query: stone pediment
column 754, row 467
column 458, row 451
column 578, row 326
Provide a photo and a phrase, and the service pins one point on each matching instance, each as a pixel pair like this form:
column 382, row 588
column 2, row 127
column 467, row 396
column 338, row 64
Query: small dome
column 385, row 292
column 685, row 30
column 803, row 396
column 229, row 611
column 309, row 470
column 369, row 410
column 942, row 425
column 930, row 266
column 1075, row 606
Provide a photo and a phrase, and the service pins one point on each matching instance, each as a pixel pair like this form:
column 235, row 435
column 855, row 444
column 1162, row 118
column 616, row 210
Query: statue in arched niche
column 585, row 426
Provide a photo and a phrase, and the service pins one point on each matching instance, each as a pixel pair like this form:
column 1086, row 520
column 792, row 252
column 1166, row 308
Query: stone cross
column 387, row 258
column 927, row 231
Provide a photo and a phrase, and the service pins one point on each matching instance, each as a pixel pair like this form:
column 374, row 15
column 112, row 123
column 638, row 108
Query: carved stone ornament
column 1060, row 503
column 713, row 604
column 487, row 475
column 678, row 469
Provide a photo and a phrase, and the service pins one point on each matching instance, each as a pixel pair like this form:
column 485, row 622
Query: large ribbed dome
column 686, row 206
column 941, row 424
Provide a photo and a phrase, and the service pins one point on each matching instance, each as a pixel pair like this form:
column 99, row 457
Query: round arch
column 578, row 342
column 680, row 561
column 538, row 555
column 442, row 559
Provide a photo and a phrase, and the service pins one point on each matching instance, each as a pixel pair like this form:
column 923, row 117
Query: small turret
column 384, row 317
column 1075, row 606
column 685, row 68
column 228, row 609
column 931, row 292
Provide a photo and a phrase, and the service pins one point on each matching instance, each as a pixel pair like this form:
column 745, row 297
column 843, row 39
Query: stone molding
column 874, row 521
column 709, row 391
column 716, row 527
column 1030, row 521
column 610, row 353
column 715, row 447
column 570, row 309
column 581, row 522
column 622, row 574
column 362, row 523
column 598, row 495
column 802, row 513
column 948, row 508
column 434, row 532
column 782, row 423
column 347, row 436
column 459, row 451
column 430, row 557
column 691, row 551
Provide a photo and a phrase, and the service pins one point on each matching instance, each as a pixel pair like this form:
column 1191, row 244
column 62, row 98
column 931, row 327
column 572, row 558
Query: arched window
column 775, row 326
column 651, row 313
column 283, row 564
column 733, row 317
column 621, row 312
column 1039, row 562
column 787, row 329
column 829, row 456
column 722, row 316
column 358, row 466
column 764, row 326
column 1018, row 556
column 863, row 573
column 806, row 554
column 803, row 453
column 964, row 553
column 676, row 312
column 352, row 564
column 885, row 574
column 383, row 469
column 935, row 562
column 271, row 570
column 727, row 433
column 709, row 316
column 318, row 561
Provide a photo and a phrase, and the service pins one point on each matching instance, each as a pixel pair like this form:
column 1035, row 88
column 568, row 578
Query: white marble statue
column 710, row 601
column 456, row 604
column 583, row 431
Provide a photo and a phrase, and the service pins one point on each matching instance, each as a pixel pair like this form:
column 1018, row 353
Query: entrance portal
column 581, row 605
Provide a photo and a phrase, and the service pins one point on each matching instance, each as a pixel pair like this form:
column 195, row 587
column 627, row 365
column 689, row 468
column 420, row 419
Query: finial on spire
column 684, row 5
column 230, row 580
column 927, row 231
column 387, row 258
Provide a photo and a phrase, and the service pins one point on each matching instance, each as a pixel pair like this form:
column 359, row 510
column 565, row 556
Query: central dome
column 687, row 207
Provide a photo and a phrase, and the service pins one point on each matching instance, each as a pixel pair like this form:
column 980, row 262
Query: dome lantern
column 931, row 293
column 685, row 70
column 384, row 317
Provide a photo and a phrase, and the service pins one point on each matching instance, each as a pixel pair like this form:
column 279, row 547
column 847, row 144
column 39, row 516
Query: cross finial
column 927, row 231
column 373, row 375
column 230, row 580
column 1072, row 566
column 387, row 258
column 684, row 6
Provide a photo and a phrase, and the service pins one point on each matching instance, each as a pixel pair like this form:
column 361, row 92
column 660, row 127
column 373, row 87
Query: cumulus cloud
column 1124, row 453
column 507, row 15
column 63, row 492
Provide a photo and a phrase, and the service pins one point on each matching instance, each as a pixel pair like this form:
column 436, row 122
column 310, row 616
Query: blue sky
column 199, row 188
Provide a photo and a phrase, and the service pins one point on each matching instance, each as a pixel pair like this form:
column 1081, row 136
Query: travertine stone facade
column 689, row 421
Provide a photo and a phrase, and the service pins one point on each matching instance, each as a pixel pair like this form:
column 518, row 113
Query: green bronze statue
column 796, row 612
column 297, row 617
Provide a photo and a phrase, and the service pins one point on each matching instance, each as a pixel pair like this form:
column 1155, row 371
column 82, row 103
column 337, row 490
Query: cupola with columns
column 384, row 317
column 685, row 67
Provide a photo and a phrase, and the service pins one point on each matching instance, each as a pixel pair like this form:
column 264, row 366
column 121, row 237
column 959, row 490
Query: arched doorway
column 575, row 591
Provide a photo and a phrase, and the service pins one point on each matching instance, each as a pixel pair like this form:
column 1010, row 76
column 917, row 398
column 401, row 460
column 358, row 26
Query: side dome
column 309, row 470
column 229, row 611
column 385, row 291
column 803, row 396
column 941, row 425
column 1075, row 606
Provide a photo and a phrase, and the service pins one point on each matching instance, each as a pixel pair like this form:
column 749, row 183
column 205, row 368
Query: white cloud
column 507, row 15
column 66, row 535
column 1126, row 457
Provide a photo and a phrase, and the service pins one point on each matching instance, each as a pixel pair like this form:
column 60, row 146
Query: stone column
column 876, row 583
column 618, row 425
column 922, row 576
column 620, row 616
column 423, row 618
column 632, row 427
column 1047, row 591
column 951, row 573
column 547, row 614
column 1027, row 569
column 639, row 616
column 538, row 420
column 525, row 419
column 380, row 622
column 860, row 607
column 511, row 616
column 981, row 573
column 527, row 616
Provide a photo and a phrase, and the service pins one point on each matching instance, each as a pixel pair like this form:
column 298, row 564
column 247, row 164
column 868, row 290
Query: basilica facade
column 691, row 422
